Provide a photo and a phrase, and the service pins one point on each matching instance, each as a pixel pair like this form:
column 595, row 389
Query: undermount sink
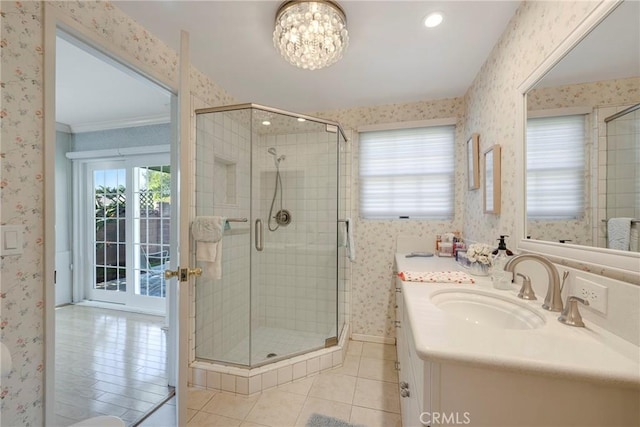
column 485, row 309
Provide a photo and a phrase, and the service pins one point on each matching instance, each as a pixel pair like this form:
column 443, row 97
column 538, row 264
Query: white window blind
column 556, row 167
column 407, row 173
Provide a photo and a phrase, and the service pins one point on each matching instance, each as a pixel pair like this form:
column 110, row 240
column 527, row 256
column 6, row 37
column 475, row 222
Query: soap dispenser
column 500, row 278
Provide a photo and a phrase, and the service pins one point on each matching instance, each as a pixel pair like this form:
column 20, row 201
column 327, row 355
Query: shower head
column 276, row 159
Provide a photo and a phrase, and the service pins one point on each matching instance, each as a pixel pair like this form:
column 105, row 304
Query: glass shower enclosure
column 275, row 176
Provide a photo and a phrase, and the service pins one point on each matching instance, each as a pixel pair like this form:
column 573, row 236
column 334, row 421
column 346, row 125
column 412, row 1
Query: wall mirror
column 575, row 93
column 492, row 179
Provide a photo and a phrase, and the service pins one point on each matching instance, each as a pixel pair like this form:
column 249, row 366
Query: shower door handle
column 258, row 234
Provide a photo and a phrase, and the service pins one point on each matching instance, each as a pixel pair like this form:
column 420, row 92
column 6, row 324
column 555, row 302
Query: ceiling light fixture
column 433, row 19
column 310, row 34
column 266, row 123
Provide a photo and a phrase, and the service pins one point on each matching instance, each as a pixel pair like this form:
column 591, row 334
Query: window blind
column 556, row 167
column 407, row 173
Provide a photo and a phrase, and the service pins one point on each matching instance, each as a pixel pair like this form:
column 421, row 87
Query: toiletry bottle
column 501, row 279
column 502, row 245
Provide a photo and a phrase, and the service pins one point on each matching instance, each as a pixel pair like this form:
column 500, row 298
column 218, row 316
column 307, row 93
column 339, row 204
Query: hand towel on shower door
column 619, row 233
column 207, row 231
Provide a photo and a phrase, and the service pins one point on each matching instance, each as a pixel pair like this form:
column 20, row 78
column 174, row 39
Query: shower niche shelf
column 225, row 176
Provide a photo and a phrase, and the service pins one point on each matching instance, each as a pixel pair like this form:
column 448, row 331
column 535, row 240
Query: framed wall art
column 473, row 162
column 492, row 180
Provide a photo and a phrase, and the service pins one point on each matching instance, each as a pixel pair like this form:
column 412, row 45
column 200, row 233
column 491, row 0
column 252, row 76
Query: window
column 556, row 167
column 407, row 173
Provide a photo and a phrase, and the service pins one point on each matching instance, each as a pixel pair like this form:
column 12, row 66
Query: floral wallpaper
column 22, row 177
column 531, row 36
column 372, row 277
column 21, row 197
column 488, row 108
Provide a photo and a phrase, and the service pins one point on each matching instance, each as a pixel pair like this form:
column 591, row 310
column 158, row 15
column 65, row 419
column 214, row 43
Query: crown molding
column 120, row 124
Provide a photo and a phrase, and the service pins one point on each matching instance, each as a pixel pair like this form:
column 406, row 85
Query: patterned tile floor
column 363, row 391
column 108, row 362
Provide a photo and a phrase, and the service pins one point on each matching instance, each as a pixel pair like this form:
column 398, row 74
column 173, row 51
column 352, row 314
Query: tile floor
column 108, row 362
column 363, row 391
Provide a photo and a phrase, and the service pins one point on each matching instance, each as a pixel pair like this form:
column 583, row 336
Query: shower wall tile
column 228, row 383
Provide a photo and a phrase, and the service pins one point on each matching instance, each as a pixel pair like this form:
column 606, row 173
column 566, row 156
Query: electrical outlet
column 594, row 293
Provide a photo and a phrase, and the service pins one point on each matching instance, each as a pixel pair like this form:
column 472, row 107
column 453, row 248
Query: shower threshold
column 271, row 344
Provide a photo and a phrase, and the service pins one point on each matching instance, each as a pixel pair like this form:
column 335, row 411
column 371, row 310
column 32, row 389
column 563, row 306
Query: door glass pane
column 152, row 222
column 223, row 188
column 110, row 237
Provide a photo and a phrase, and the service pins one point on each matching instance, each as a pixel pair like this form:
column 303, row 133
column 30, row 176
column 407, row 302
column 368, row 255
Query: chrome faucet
column 553, row 300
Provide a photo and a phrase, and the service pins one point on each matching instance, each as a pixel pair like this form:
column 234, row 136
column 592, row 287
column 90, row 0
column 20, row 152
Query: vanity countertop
column 589, row 353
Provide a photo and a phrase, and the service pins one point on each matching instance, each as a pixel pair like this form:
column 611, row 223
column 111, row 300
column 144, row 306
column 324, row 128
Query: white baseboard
column 373, row 338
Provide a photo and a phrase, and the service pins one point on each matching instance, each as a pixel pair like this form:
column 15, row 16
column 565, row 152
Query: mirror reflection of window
column 556, row 167
column 597, row 78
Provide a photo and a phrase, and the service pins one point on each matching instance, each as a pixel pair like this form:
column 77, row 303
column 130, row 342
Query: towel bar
column 237, row 219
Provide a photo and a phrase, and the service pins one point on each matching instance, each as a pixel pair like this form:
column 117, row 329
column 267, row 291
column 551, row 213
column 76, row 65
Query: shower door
column 294, row 252
column 275, row 177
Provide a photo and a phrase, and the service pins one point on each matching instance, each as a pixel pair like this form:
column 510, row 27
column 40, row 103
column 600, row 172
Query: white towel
column 351, row 246
column 634, row 244
column 619, row 233
column 207, row 231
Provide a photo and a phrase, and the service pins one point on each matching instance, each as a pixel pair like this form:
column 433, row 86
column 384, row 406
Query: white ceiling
column 95, row 93
column 391, row 57
column 611, row 51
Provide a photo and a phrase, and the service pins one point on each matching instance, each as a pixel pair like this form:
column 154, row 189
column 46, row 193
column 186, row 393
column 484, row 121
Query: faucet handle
column 571, row 315
column 526, row 291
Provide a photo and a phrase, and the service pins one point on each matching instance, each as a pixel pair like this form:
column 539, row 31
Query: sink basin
column 485, row 309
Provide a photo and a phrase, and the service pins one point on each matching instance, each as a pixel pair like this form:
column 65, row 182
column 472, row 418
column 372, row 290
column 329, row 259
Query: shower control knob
column 405, row 393
column 404, row 385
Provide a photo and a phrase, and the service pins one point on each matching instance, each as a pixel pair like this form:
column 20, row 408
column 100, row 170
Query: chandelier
column 310, row 34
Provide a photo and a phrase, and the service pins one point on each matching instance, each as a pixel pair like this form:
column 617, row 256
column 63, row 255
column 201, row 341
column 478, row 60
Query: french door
column 127, row 224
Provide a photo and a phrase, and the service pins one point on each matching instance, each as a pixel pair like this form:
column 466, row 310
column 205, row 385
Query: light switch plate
column 11, row 239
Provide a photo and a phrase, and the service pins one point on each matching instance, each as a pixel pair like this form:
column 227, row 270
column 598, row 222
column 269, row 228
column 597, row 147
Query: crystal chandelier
column 310, row 34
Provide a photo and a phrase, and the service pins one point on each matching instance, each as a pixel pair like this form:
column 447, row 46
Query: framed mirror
column 574, row 96
column 492, row 180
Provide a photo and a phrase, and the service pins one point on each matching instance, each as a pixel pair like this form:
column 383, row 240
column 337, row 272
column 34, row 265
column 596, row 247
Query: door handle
column 258, row 234
column 183, row 273
column 169, row 274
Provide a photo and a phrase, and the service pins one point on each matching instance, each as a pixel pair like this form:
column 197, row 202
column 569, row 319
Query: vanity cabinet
column 411, row 373
column 449, row 392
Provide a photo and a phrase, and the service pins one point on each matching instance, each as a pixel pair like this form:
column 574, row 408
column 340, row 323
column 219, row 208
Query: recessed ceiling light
column 266, row 123
column 300, row 119
column 433, row 19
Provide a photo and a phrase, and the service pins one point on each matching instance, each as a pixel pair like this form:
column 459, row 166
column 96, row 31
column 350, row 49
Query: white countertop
column 589, row 353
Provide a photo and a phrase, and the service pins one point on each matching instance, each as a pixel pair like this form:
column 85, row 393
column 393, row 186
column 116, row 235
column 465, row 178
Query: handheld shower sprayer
column 276, row 159
column 283, row 216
